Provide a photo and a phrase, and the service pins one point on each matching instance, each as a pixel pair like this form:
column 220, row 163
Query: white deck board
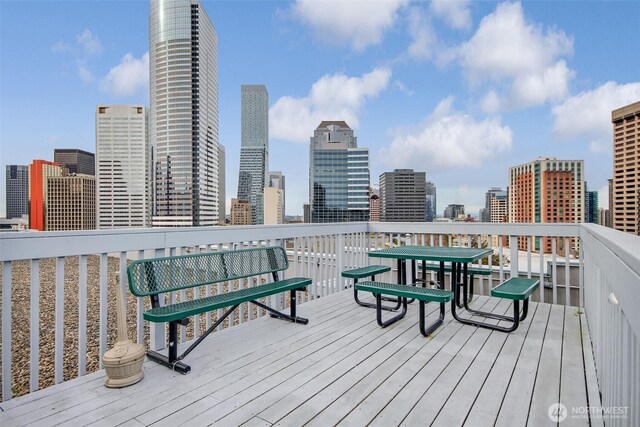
column 342, row 368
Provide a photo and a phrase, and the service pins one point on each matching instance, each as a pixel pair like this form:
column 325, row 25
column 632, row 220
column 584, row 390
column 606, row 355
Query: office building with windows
column 71, row 202
column 547, row 190
column 624, row 203
column 338, row 175
column 75, row 160
column 254, row 148
column 123, row 159
column 454, row 212
column 17, row 191
column 403, row 196
column 183, row 119
column 39, row 173
column 240, row 212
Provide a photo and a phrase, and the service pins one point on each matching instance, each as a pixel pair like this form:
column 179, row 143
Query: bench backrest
column 158, row 275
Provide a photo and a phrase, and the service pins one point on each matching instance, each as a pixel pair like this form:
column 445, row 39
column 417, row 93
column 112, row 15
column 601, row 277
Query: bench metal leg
column 523, row 315
column 424, row 330
column 173, row 361
column 277, row 314
column 515, row 319
column 372, row 305
column 395, row 318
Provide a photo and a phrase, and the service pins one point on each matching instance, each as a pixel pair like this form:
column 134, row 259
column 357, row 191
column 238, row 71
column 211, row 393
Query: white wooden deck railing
column 605, row 263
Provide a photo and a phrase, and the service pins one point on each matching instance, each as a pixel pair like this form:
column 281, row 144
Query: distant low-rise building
column 273, row 213
column 454, row 211
column 240, row 212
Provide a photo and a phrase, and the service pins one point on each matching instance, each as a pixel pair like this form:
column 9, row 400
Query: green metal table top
column 433, row 253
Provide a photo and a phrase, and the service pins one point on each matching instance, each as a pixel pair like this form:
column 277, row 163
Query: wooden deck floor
column 344, row 369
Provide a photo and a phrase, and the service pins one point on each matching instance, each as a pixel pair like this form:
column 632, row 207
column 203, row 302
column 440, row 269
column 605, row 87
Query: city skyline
column 416, row 81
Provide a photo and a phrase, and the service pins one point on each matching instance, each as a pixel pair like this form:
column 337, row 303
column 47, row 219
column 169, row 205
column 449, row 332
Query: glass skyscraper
column 183, row 120
column 254, row 149
column 338, row 175
column 430, row 214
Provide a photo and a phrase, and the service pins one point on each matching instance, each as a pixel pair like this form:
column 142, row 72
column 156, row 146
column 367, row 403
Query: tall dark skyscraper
column 183, row 120
column 77, row 161
column 338, row 175
column 254, row 149
column 17, row 190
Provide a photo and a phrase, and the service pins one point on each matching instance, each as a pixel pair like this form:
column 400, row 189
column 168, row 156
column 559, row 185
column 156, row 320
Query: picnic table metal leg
column 515, row 319
column 372, row 305
column 385, row 323
column 424, row 330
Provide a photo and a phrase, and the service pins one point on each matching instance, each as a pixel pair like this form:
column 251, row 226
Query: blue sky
column 462, row 90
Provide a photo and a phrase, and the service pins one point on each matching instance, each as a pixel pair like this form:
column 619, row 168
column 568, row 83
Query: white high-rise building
column 183, row 121
column 123, row 160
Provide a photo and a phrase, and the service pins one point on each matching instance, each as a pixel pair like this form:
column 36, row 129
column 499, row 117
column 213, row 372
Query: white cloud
column 358, row 23
column 589, row 112
column 520, row 56
column 89, row 43
column 402, row 87
column 454, row 12
column 421, row 33
column 448, row 138
column 333, row 97
column 84, row 72
column 128, row 77
column 60, row 47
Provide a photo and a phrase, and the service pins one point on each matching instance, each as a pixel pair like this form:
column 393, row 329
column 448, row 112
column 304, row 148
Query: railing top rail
column 26, row 245
column 513, row 229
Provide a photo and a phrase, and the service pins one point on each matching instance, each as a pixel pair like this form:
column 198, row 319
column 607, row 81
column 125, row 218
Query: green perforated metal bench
column 516, row 289
column 369, row 271
column 403, row 292
column 157, row 276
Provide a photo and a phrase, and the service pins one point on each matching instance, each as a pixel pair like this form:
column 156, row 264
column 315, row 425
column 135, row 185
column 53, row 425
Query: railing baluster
column 103, row 306
column 82, row 316
column 542, row 286
column 567, row 273
column 554, row 271
column 59, row 315
column 6, row 331
column 35, row 325
column 139, row 312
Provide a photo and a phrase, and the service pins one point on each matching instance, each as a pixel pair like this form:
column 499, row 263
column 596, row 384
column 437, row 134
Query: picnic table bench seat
column 516, row 289
column 369, row 271
column 156, row 277
column 403, row 292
